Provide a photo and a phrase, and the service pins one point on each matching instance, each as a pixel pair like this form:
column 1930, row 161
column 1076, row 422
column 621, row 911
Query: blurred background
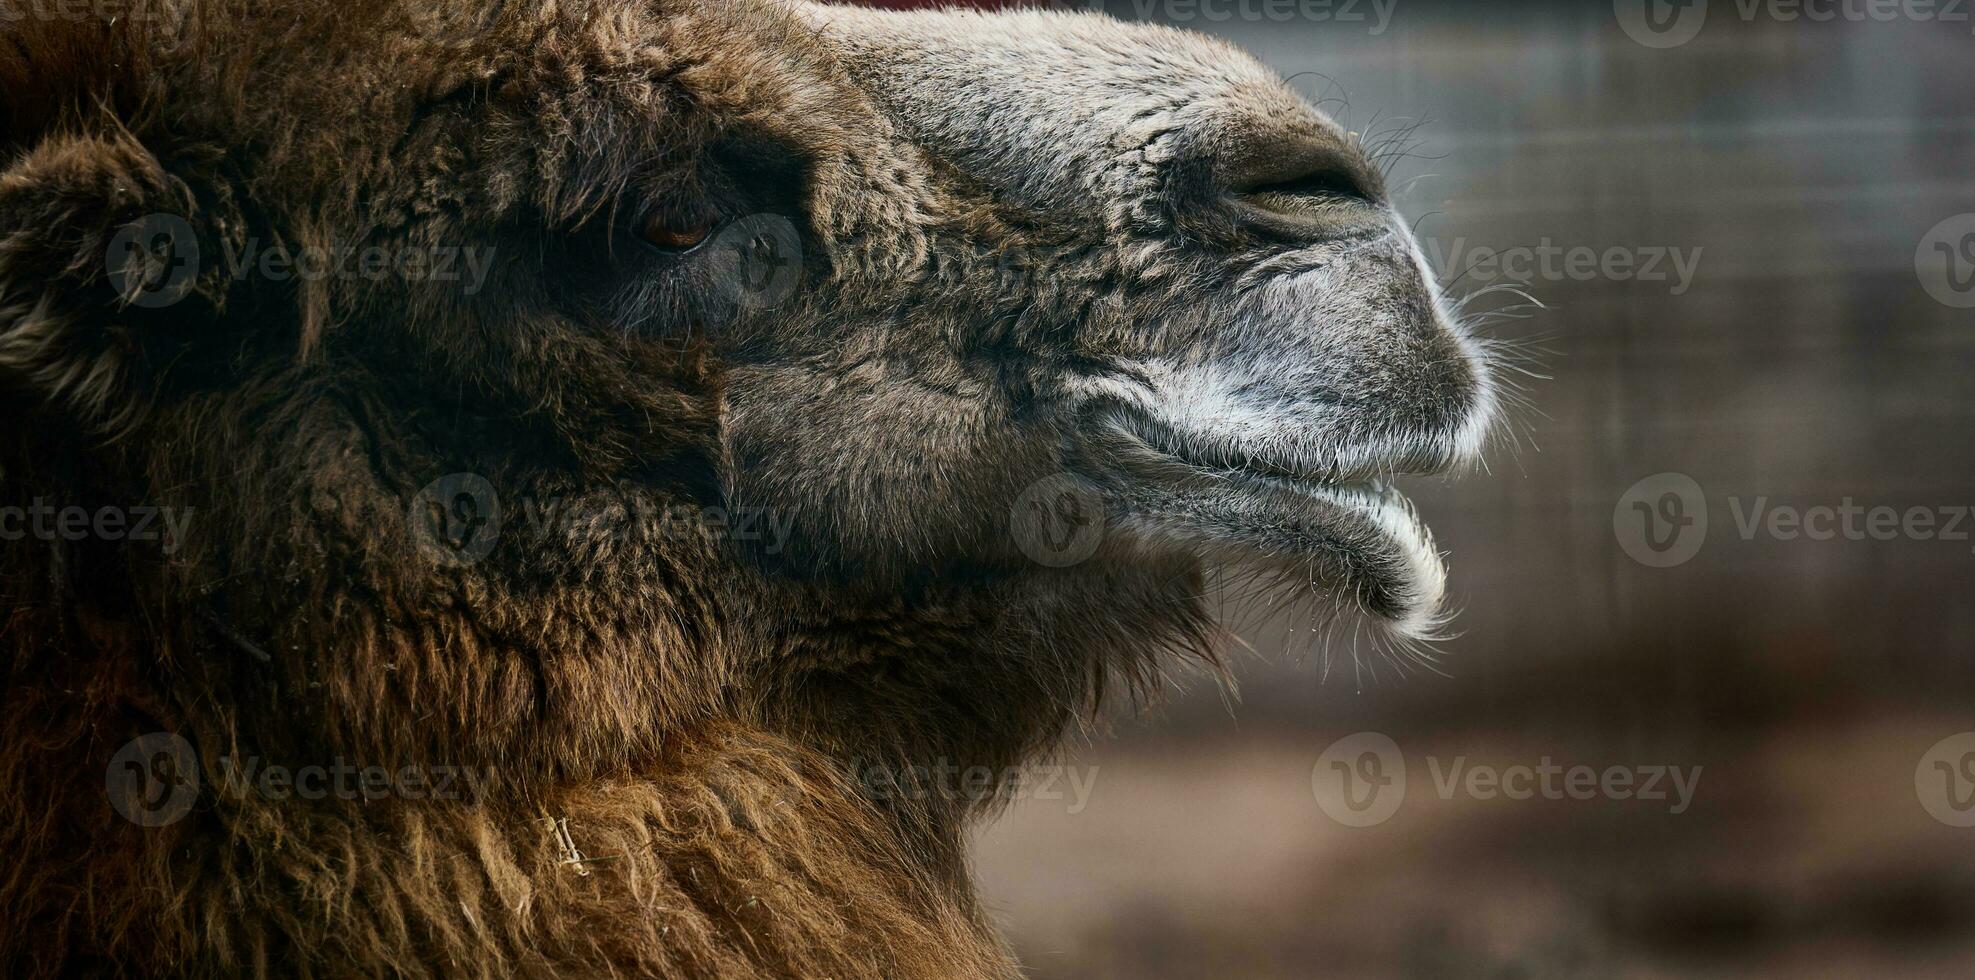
column 1805, row 339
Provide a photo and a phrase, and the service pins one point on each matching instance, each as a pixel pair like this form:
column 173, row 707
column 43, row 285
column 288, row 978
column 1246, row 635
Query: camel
column 528, row 488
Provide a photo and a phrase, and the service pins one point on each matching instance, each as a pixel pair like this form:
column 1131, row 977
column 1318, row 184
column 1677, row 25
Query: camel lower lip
column 1355, row 543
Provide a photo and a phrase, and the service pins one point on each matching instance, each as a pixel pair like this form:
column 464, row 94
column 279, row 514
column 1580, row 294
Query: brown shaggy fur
column 692, row 745
column 692, row 719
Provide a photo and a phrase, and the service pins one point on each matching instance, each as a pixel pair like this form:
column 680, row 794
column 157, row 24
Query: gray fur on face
column 1211, row 316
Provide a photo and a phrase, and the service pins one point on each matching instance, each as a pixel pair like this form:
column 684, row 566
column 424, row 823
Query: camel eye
column 669, row 234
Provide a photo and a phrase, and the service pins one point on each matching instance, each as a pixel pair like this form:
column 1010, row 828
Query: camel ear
column 100, row 276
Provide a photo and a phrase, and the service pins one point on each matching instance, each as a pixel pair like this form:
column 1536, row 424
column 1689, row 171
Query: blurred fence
column 1745, row 231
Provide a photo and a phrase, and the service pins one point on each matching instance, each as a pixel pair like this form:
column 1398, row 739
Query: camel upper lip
column 1160, row 447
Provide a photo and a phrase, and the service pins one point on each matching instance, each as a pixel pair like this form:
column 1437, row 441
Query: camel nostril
column 1298, row 162
column 1324, row 203
column 1327, row 184
column 1303, row 187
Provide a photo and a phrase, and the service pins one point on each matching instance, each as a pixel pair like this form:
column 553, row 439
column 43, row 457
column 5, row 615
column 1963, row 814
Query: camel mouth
column 1341, row 536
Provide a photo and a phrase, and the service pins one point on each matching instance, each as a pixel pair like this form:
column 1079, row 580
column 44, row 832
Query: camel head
column 1136, row 304
column 985, row 337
